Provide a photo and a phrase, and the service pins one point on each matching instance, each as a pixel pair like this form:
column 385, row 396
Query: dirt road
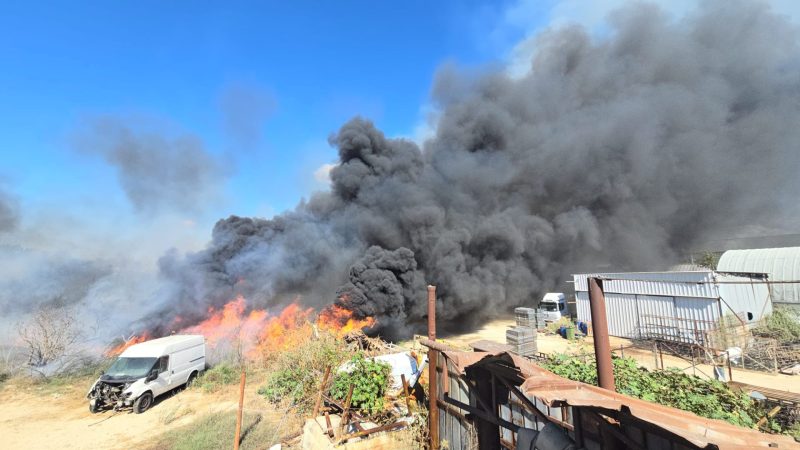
column 495, row 330
column 43, row 417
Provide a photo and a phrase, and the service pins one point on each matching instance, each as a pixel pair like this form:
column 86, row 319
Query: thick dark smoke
column 157, row 172
column 613, row 153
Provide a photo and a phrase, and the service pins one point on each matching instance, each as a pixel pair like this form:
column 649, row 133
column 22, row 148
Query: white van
column 554, row 305
column 146, row 370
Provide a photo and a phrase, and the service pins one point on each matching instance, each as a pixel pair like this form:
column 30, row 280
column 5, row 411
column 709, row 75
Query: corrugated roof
column 782, row 264
column 552, row 389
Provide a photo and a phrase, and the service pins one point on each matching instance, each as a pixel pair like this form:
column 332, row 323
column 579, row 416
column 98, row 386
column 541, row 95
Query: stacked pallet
column 530, row 317
column 522, row 340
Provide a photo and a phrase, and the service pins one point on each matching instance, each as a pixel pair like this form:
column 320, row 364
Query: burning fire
column 340, row 320
column 257, row 332
column 114, row 351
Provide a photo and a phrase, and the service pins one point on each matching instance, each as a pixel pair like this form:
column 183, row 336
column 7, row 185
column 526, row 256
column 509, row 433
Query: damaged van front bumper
column 109, row 394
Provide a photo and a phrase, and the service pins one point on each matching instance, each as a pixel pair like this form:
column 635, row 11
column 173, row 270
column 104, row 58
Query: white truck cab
column 146, row 370
column 554, row 305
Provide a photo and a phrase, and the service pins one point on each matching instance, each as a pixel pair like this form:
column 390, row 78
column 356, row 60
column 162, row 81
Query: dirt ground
column 38, row 417
column 42, row 416
column 495, row 330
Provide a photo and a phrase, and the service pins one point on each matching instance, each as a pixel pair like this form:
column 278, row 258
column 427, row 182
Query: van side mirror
column 151, row 376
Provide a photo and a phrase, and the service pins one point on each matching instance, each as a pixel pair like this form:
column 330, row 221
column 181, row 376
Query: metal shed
column 678, row 306
column 782, row 265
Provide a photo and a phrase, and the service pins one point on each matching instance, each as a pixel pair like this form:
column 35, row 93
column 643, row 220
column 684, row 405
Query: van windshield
column 130, row 367
column 548, row 306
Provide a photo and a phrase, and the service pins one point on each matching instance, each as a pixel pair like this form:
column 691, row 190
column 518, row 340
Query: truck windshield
column 548, row 306
column 131, row 367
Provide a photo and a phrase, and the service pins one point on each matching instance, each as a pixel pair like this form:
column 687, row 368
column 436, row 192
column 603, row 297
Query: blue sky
column 316, row 63
column 319, row 63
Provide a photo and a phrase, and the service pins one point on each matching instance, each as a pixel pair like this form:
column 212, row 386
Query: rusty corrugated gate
column 485, row 411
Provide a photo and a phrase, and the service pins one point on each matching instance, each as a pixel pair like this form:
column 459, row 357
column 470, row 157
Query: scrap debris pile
column 368, row 387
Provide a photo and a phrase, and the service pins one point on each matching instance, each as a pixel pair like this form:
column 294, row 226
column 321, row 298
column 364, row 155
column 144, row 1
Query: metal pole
column 433, row 361
column 239, row 412
column 321, row 392
column 602, row 347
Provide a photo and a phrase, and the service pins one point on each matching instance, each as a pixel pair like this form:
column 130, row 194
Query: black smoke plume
column 618, row 152
column 157, row 172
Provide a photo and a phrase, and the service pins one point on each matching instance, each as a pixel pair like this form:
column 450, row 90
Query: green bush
column 296, row 374
column 370, row 379
column 706, row 398
column 293, row 383
column 783, row 325
column 218, row 376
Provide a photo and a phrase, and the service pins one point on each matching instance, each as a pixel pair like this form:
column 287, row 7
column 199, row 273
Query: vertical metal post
column 655, row 354
column 433, row 379
column 405, row 394
column 602, row 348
column 730, row 370
column 321, row 392
column 345, row 420
column 239, row 412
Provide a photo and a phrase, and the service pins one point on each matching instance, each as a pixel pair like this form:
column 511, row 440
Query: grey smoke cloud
column 158, row 172
column 614, row 153
column 9, row 211
column 245, row 108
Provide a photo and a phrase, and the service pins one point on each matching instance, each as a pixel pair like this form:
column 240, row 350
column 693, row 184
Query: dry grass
column 216, row 430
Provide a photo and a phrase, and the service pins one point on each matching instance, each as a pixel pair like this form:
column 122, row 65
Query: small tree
column 709, row 260
column 51, row 335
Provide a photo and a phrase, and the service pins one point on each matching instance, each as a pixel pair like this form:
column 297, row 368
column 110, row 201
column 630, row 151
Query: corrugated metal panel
column 656, row 314
column 622, row 315
column 695, row 317
column 781, row 264
column 642, row 304
column 701, row 313
column 681, row 284
column 582, row 306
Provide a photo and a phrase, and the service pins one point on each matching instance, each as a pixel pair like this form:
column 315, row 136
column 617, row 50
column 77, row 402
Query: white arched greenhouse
column 782, row 266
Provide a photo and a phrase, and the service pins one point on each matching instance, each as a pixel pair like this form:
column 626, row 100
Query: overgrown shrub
column 218, row 376
column 783, row 324
column 291, row 383
column 297, row 373
column 706, row 398
column 370, row 379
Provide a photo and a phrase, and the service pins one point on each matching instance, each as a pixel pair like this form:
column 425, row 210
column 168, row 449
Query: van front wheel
column 191, row 379
column 143, row 403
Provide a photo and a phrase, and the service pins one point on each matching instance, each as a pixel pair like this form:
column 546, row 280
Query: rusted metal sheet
column 636, row 423
column 773, row 394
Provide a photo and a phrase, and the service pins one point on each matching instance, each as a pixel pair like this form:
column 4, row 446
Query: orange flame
column 230, row 323
column 340, row 320
column 114, row 351
column 257, row 333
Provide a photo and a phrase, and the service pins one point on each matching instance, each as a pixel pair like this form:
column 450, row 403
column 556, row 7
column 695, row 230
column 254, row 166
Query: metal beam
column 602, row 347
